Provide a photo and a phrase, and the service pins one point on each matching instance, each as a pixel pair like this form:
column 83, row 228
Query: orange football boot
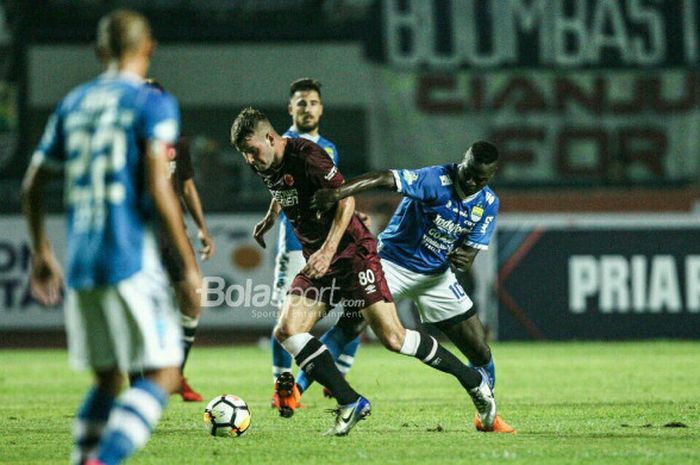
column 499, row 425
column 187, row 393
column 287, row 397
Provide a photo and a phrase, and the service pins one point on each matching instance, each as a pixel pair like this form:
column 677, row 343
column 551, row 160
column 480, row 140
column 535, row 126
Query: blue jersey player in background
column 448, row 214
column 110, row 138
column 306, row 108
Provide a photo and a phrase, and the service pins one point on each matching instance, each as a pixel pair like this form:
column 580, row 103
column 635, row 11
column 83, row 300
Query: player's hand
column 365, row 218
column 208, row 246
column 318, row 263
column 324, row 199
column 46, row 280
column 261, row 228
column 189, row 292
column 461, row 258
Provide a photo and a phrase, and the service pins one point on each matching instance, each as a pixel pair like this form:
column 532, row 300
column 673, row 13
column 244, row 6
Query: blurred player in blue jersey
column 306, row 108
column 110, row 137
column 181, row 173
column 448, row 214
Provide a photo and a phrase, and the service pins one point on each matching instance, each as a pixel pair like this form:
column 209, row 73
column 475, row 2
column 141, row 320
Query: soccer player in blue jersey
column 110, row 137
column 448, row 214
column 306, row 108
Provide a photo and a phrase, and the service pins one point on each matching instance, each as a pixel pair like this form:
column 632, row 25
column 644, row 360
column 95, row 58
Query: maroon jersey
column 305, row 168
column 180, row 171
column 180, row 165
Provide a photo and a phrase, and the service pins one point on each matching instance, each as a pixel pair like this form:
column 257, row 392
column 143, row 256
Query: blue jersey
column 434, row 217
column 287, row 241
column 97, row 135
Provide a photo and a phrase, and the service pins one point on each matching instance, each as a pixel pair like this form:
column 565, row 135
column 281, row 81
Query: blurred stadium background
column 595, row 106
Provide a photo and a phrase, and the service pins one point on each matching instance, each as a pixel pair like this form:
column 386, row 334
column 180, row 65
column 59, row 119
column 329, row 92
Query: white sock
column 410, row 343
column 295, row 343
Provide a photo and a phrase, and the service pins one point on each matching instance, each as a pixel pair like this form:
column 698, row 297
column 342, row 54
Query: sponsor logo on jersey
column 445, row 180
column 449, row 225
column 288, row 179
column 477, row 213
column 490, row 198
column 409, row 176
column 331, row 173
column 287, row 198
column 371, row 289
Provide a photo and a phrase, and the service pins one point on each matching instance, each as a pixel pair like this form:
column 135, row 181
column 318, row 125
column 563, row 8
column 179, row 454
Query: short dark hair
column 120, row 33
column 304, row 84
column 484, row 152
column 245, row 124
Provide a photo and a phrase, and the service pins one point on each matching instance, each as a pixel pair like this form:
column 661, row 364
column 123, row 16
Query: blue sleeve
column 480, row 237
column 161, row 118
column 334, row 153
column 425, row 184
column 290, row 238
column 51, row 149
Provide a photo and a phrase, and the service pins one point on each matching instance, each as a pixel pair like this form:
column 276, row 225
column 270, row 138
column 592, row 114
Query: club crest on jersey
column 288, row 179
column 477, row 213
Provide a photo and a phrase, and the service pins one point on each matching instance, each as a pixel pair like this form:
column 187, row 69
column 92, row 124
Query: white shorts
column 287, row 265
column 438, row 297
column 133, row 324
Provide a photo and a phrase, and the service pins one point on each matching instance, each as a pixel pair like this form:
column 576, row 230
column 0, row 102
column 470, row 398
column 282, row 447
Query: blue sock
column 133, row 417
column 281, row 360
column 342, row 351
column 490, row 370
column 90, row 422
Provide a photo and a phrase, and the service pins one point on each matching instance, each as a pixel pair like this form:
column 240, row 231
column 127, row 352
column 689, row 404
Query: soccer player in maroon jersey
column 342, row 264
column 181, row 174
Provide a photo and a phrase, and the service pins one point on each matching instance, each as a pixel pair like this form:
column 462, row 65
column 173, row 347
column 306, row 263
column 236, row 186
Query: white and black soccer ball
column 227, row 415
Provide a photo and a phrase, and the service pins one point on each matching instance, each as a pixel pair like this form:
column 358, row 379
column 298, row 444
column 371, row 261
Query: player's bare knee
column 284, row 331
column 193, row 311
column 392, row 340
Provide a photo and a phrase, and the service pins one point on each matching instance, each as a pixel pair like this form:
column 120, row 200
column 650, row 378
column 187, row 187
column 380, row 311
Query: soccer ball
column 227, row 415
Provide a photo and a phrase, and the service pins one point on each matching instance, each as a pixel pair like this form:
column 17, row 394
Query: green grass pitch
column 576, row 403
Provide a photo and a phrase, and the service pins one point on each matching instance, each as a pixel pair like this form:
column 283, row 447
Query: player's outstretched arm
column 266, row 223
column 318, row 263
column 170, row 213
column 46, row 278
column 194, row 206
column 324, row 199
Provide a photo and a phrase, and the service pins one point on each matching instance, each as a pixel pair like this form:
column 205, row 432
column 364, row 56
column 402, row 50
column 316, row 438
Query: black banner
column 599, row 283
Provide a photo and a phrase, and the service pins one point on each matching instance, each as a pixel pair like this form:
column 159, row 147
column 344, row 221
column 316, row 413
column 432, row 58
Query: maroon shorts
column 355, row 282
